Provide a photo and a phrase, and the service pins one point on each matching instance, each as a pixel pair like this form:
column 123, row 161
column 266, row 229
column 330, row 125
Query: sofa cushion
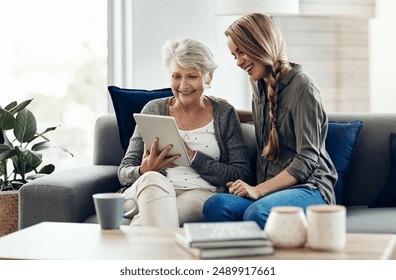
column 387, row 196
column 361, row 219
column 340, row 143
column 129, row 101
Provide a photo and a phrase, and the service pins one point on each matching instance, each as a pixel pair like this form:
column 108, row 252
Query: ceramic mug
column 286, row 226
column 326, row 227
column 110, row 209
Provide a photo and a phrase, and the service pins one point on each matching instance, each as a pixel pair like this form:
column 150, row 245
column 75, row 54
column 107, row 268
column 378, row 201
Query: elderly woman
column 169, row 195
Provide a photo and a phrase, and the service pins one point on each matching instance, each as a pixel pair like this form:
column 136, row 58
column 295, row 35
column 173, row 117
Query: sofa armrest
column 107, row 145
column 65, row 196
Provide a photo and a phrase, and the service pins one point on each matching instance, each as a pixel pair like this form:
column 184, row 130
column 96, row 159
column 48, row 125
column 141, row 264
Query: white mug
column 326, row 227
column 286, row 226
column 110, row 209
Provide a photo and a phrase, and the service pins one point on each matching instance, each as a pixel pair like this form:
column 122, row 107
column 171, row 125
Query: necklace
column 186, row 135
column 183, row 125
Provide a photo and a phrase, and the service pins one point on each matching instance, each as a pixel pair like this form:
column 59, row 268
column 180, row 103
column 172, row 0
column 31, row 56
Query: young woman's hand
column 153, row 161
column 240, row 188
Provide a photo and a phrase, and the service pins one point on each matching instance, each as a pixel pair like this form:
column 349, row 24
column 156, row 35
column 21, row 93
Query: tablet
column 165, row 128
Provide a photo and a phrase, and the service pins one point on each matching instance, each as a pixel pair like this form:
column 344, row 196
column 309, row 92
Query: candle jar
column 286, row 227
column 326, row 227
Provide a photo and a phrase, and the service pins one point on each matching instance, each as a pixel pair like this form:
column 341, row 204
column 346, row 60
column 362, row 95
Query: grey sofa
column 67, row 196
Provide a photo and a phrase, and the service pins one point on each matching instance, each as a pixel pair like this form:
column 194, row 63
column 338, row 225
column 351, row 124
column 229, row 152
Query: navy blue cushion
column 387, row 196
column 340, row 144
column 126, row 102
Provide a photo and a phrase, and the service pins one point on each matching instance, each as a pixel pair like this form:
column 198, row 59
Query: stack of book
column 224, row 240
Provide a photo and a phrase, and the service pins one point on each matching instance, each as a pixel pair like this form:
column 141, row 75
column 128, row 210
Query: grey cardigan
column 302, row 128
column 233, row 163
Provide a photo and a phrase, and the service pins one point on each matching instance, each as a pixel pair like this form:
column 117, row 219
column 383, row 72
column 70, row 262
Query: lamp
column 272, row 7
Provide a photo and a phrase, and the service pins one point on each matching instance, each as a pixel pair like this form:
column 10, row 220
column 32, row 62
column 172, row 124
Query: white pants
column 160, row 205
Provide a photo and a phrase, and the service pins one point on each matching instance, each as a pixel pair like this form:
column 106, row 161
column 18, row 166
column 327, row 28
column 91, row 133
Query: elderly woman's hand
column 153, row 161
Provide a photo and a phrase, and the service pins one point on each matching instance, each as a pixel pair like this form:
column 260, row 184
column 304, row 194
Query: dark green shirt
column 302, row 128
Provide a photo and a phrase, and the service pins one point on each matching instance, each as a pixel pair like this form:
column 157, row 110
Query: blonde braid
column 258, row 36
column 271, row 149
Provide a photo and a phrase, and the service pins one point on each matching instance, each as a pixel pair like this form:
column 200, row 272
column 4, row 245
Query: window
column 56, row 53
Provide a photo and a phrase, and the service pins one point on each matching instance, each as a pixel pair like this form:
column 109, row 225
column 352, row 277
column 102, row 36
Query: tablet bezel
column 165, row 128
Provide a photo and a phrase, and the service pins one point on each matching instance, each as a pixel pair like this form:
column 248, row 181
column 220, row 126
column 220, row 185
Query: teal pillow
column 387, row 196
column 129, row 101
column 340, row 144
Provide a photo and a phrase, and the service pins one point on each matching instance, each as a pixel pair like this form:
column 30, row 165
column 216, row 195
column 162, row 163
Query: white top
column 201, row 139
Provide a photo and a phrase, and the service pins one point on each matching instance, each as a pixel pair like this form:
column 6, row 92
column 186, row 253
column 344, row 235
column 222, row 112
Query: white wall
column 154, row 22
column 231, row 82
column 335, row 51
column 382, row 57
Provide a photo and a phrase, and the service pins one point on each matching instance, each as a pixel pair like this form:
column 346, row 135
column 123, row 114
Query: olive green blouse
column 302, row 128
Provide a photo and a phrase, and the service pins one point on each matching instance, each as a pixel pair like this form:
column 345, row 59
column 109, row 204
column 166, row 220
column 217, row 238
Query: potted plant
column 20, row 157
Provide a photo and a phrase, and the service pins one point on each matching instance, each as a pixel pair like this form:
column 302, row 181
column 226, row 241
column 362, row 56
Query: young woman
column 170, row 195
column 293, row 167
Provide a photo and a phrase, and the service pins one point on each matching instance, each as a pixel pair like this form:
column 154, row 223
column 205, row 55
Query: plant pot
column 9, row 212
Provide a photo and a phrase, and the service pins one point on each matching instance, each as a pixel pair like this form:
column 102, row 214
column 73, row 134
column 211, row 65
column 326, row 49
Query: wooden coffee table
column 74, row 241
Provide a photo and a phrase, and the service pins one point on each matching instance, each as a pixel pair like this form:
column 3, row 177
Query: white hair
column 190, row 54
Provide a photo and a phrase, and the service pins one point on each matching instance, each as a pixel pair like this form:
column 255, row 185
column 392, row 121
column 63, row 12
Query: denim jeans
column 228, row 207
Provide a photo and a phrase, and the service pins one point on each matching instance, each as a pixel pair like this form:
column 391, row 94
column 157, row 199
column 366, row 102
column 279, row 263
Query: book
column 225, row 252
column 233, row 243
column 225, row 234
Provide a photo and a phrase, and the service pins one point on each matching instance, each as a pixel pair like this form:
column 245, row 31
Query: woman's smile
column 254, row 69
column 187, row 92
column 248, row 68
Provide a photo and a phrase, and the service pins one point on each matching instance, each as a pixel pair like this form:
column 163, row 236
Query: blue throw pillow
column 340, row 144
column 126, row 102
column 387, row 196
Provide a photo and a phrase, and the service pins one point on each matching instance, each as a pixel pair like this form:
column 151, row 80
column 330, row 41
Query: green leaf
column 46, row 145
column 48, row 129
column 25, row 161
column 4, row 147
column 21, row 106
column 47, row 169
column 2, row 171
column 35, row 176
column 33, row 159
column 10, row 106
column 42, row 146
column 6, row 141
column 16, row 184
column 6, row 152
column 42, row 134
column 25, row 126
column 7, row 120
